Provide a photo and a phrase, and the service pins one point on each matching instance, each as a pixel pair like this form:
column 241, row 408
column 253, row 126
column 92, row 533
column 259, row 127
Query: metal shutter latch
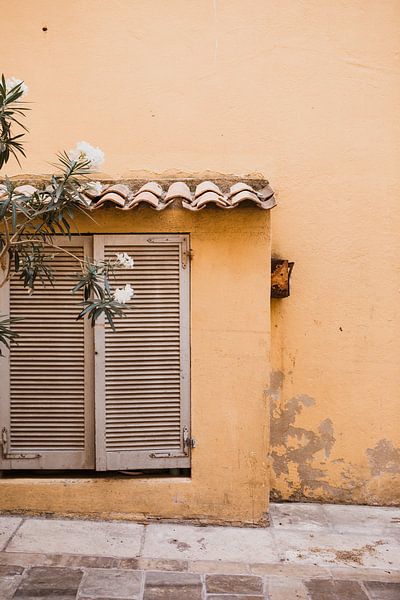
column 188, row 444
column 10, row 455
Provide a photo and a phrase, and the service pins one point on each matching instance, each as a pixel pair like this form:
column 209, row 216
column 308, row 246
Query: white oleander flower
column 95, row 186
column 84, row 150
column 124, row 260
column 123, row 295
column 11, row 82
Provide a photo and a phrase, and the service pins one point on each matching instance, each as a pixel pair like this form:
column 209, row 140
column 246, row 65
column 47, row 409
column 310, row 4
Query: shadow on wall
column 302, row 467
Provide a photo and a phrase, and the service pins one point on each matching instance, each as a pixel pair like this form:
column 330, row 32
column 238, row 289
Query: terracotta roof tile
column 192, row 195
column 207, row 186
column 180, row 190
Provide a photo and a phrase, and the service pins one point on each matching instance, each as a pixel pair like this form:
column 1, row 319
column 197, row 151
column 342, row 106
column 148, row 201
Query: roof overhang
column 189, row 193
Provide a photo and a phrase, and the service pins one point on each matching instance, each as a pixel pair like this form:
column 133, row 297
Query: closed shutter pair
column 77, row 397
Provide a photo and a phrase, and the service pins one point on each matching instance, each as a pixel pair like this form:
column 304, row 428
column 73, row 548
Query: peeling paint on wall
column 296, row 447
column 302, row 465
column 384, row 458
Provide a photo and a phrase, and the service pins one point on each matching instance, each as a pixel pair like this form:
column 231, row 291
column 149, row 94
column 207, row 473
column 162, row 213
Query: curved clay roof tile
column 152, row 194
column 179, row 189
column 207, row 186
column 25, row 190
column 236, row 188
column 148, row 198
column 109, row 196
column 153, row 187
column 210, row 197
column 243, row 196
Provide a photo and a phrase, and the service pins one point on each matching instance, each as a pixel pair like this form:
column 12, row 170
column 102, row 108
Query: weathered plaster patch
column 384, row 458
column 301, row 473
column 297, row 446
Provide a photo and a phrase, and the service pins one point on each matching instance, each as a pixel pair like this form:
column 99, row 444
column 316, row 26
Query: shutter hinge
column 188, row 442
column 9, row 455
column 187, row 255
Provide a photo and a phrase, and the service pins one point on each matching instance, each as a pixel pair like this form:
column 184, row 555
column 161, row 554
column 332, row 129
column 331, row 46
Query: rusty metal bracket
column 280, row 277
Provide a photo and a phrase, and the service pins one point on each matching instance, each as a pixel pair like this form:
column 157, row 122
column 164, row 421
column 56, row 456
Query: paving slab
column 363, row 574
column 159, row 564
column 10, row 570
column 102, row 538
column 10, row 577
column 234, row 584
column 284, row 588
column 308, row 517
column 231, row 544
column 328, row 589
column 335, row 549
column 287, row 569
column 362, row 519
column 382, row 590
column 33, row 559
column 233, row 597
column 111, row 583
column 42, row 583
column 215, row 566
column 174, row 586
column 8, row 586
column 7, row 527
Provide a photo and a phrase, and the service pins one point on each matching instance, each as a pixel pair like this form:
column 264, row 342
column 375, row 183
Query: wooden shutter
column 46, row 380
column 142, row 370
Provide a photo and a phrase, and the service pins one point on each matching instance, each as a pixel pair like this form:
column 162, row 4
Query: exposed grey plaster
column 298, row 446
column 384, row 458
column 308, row 442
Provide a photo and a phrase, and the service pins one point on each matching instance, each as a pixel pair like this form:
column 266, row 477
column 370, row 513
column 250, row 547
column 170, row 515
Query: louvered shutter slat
column 142, row 379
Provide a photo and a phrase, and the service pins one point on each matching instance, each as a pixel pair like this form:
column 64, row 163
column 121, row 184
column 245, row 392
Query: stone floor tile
column 234, row 584
column 231, row 544
column 286, row 588
column 10, row 570
column 328, row 589
column 383, row 590
column 157, row 578
column 99, row 538
column 363, row 574
column 172, row 586
column 215, row 566
column 49, row 583
column 33, row 559
column 7, row 527
column 338, row 550
column 10, row 576
column 111, row 583
column 8, row 585
column 233, row 597
column 23, row 559
column 159, row 564
column 286, row 569
column 99, row 562
column 362, row 519
column 309, row 517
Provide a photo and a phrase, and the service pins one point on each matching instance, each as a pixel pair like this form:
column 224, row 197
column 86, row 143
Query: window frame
column 96, row 457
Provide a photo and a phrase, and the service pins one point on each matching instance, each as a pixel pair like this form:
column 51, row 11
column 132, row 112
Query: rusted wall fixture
column 280, row 277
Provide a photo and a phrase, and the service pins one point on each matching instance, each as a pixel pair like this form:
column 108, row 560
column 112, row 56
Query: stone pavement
column 310, row 552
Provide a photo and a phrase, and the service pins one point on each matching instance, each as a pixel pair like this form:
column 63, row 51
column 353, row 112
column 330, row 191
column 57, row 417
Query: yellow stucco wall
column 230, row 332
column 308, row 93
